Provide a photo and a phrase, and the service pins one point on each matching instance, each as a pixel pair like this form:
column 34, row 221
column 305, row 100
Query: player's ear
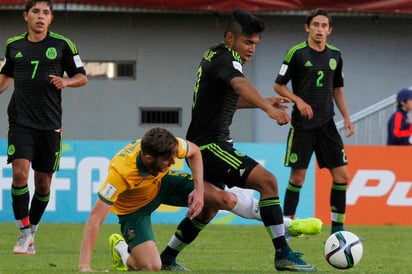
column 229, row 37
column 306, row 26
column 330, row 30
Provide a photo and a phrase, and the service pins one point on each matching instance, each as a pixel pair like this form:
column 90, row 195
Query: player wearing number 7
column 36, row 61
column 315, row 69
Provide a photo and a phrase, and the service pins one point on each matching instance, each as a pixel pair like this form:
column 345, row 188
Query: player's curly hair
column 30, row 3
column 158, row 142
column 242, row 22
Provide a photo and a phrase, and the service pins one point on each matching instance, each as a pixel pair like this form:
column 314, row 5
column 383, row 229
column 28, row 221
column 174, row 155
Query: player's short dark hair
column 158, row 142
column 317, row 12
column 31, row 3
column 242, row 22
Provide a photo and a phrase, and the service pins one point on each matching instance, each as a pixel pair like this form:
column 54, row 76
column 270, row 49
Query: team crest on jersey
column 11, row 150
column 51, row 53
column 332, row 63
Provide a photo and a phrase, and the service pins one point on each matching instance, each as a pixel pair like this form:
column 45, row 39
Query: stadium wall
column 380, row 191
column 167, row 48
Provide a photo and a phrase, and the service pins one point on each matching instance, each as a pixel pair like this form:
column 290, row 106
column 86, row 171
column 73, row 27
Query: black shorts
column 325, row 141
column 224, row 165
column 41, row 147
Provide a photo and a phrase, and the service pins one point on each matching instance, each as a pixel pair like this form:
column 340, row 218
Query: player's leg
column 175, row 189
column 292, row 192
column 330, row 153
column 248, row 207
column 20, row 152
column 45, row 162
column 340, row 177
column 266, row 183
column 299, row 151
column 135, row 248
column 21, row 197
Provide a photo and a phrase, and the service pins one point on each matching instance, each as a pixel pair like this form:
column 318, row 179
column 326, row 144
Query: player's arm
column 304, row 108
column 77, row 80
column 275, row 101
column 196, row 198
column 340, row 101
column 251, row 96
column 91, row 231
column 5, row 82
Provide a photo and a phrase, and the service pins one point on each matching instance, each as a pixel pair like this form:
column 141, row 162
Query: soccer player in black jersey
column 36, row 61
column 220, row 89
column 315, row 69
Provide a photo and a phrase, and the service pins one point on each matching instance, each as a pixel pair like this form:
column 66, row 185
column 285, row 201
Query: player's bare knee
column 229, row 201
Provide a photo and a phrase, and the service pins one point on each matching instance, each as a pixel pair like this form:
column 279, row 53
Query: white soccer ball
column 343, row 249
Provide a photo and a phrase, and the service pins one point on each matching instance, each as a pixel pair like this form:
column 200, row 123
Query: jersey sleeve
column 183, row 148
column 112, row 187
column 285, row 74
column 338, row 79
column 227, row 67
column 71, row 60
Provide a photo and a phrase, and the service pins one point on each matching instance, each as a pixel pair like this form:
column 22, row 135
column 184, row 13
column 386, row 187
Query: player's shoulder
column 16, row 38
column 294, row 49
column 332, row 47
column 227, row 52
column 183, row 147
column 63, row 39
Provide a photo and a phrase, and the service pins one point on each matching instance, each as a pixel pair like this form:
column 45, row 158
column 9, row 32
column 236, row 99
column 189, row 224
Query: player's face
column 319, row 29
column 39, row 18
column 160, row 163
column 244, row 45
column 163, row 163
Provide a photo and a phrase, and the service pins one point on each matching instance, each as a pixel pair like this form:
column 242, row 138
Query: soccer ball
column 343, row 249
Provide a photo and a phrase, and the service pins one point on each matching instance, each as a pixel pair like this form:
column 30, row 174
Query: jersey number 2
column 319, row 83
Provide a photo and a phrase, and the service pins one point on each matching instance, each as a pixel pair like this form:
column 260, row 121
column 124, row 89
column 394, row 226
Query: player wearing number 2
column 315, row 69
column 36, row 61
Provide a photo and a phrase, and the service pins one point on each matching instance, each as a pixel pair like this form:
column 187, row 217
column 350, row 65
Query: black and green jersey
column 214, row 100
column 35, row 102
column 314, row 75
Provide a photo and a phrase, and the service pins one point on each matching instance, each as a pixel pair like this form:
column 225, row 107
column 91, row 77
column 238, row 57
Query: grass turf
column 218, row 249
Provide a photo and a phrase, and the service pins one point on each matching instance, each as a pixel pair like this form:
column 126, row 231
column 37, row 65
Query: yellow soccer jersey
column 129, row 186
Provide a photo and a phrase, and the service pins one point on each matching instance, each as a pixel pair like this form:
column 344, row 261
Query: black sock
column 338, row 205
column 38, row 206
column 186, row 231
column 292, row 194
column 20, row 197
column 271, row 214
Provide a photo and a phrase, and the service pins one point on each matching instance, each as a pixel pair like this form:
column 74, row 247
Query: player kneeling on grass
column 139, row 180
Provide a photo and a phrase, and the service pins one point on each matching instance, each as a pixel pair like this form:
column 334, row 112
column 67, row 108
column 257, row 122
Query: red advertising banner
column 380, row 188
column 375, row 6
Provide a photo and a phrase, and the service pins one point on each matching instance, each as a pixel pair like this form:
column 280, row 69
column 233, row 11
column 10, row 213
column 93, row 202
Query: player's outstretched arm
column 90, row 234
column 250, row 95
column 196, row 197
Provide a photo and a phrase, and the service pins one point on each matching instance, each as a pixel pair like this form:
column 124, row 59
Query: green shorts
column 136, row 227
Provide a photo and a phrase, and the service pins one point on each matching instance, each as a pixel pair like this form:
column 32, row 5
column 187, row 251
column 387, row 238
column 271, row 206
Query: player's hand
column 195, row 203
column 279, row 102
column 88, row 269
column 57, row 81
column 280, row 116
column 349, row 127
column 304, row 109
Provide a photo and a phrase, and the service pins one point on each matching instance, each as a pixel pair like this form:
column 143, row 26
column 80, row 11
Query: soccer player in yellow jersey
column 138, row 181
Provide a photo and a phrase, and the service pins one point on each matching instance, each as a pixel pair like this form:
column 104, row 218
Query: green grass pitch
column 218, row 249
